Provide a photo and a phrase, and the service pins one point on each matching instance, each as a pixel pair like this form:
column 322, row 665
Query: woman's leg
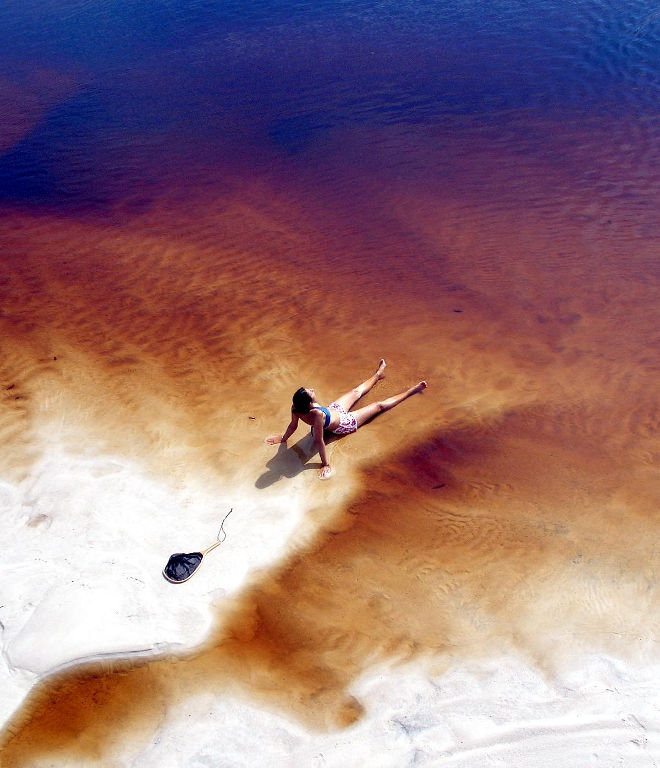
column 350, row 398
column 362, row 415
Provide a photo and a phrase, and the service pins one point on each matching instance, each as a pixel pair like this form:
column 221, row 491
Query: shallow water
column 205, row 206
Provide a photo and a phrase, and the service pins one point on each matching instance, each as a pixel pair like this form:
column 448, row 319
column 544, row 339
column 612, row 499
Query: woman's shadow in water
column 291, row 461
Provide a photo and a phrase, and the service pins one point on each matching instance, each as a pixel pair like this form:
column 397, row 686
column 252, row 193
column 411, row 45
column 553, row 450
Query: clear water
column 204, row 205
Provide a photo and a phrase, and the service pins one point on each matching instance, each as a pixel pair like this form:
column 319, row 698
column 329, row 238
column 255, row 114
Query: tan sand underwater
column 478, row 580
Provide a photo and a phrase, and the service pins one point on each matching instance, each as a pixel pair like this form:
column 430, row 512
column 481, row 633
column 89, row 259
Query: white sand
column 85, row 540
column 496, row 714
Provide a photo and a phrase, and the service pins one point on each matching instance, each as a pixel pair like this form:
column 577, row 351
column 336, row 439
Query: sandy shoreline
column 92, row 533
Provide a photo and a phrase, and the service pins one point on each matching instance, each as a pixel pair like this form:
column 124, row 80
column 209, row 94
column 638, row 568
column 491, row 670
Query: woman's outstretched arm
column 293, row 426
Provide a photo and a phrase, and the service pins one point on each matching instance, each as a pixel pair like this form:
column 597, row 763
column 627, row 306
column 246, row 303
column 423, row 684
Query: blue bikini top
column 327, row 414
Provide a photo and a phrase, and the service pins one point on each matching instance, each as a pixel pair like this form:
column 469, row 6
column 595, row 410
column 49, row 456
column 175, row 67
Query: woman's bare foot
column 380, row 373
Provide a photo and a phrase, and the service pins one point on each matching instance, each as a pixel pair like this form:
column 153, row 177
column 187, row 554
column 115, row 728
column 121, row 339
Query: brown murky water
column 512, row 506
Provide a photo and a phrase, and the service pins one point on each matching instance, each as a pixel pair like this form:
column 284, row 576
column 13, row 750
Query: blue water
column 281, row 76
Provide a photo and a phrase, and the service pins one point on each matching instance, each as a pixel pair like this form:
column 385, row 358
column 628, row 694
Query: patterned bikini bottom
column 347, row 421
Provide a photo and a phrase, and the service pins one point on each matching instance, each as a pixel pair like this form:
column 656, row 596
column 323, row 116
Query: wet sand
column 510, row 509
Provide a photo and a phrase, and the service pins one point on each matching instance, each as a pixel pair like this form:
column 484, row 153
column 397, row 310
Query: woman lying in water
column 337, row 417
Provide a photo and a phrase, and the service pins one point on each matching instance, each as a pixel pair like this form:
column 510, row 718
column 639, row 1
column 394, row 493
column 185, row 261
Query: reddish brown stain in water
column 507, row 513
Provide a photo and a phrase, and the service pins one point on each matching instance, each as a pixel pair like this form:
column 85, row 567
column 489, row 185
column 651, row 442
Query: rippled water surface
column 204, row 205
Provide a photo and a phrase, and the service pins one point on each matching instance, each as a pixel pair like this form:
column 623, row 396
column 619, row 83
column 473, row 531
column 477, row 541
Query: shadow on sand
column 291, row 461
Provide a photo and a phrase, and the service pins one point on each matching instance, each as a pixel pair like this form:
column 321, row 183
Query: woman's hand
column 274, row 439
column 326, row 472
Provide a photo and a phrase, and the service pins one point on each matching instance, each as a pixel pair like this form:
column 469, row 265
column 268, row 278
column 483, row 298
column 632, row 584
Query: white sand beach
column 88, row 539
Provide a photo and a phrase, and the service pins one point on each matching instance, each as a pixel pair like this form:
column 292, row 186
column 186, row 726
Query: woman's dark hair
column 302, row 402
